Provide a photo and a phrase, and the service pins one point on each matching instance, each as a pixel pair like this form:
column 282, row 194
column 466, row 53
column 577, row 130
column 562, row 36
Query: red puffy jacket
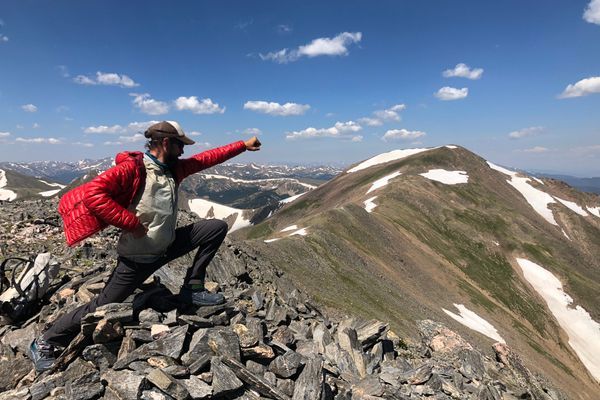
column 103, row 201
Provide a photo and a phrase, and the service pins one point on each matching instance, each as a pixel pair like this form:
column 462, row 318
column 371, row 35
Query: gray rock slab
column 286, row 365
column 125, row 384
column 309, row 384
column 170, row 345
column 224, row 379
column 197, row 388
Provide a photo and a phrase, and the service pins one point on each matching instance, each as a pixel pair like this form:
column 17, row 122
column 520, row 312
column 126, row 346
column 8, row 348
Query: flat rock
column 13, row 367
column 125, row 384
column 100, row 355
column 224, row 342
column 20, row 339
column 168, row 384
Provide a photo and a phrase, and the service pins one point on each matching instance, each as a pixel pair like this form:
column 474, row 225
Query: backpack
column 21, row 294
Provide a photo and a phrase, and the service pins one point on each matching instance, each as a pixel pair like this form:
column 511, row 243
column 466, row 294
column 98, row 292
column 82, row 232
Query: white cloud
column 450, row 93
column 112, row 143
column 404, row 134
column 357, row 138
column 336, row 46
column 19, row 126
column 370, row 121
column 194, row 133
column 390, row 114
column 35, row 125
column 29, row 108
column 536, row 149
column 4, row 134
column 148, row 105
column 273, row 108
column 339, row 130
column 104, row 129
column 140, row 126
column 109, row 78
column 463, row 71
column 533, row 130
column 38, row 140
column 592, row 12
column 582, row 88
column 3, row 38
column 82, row 144
column 204, row 106
column 62, row 108
column 252, row 131
column 138, row 137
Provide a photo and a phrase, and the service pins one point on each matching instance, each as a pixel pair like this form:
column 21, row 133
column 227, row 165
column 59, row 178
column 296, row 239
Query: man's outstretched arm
column 187, row 166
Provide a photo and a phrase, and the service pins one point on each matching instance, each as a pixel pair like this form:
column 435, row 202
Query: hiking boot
column 42, row 354
column 200, row 297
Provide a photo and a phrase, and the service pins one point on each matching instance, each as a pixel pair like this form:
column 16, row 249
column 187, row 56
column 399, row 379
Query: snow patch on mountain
column 447, row 177
column 582, row 330
column 369, row 205
column 289, row 228
column 536, row 198
column 379, row 183
column 290, row 199
column 52, row 184
column 270, row 240
column 5, row 194
column 387, row 157
column 594, row 210
column 471, row 320
column 301, row 232
column 203, row 209
column 572, row 206
column 49, row 193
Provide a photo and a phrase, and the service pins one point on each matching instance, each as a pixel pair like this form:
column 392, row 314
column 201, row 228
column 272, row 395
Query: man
column 139, row 195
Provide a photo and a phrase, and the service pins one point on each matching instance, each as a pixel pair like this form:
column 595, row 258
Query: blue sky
column 320, row 82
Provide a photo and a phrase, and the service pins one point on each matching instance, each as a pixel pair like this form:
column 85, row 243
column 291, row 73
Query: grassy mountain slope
column 428, row 245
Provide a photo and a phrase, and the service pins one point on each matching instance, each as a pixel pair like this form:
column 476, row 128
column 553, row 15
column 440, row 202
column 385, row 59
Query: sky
column 319, row 82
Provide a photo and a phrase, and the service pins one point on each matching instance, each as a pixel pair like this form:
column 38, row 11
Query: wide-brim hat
column 167, row 129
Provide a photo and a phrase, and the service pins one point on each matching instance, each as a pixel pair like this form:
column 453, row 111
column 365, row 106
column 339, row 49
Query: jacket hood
column 126, row 155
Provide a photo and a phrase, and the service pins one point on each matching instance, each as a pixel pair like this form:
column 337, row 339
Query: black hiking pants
column 206, row 235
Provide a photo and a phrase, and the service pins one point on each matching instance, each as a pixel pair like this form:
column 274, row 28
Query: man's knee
column 217, row 227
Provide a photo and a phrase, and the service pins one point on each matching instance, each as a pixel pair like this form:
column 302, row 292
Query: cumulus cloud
column 4, row 134
column 536, row 149
column 449, row 93
column 148, row 105
column 35, row 125
column 463, row 71
column 194, row 133
column 202, row 106
column 110, row 79
column 339, row 130
column 592, row 12
column 138, row 137
column 29, row 108
column 401, row 134
column 336, row 46
column 532, row 130
column 273, row 108
column 3, row 38
column 390, row 114
column 38, row 140
column 104, row 129
column 357, row 138
column 582, row 88
column 140, row 126
column 252, row 131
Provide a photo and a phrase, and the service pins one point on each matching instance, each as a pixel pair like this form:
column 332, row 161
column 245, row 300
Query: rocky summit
column 268, row 341
column 418, row 273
